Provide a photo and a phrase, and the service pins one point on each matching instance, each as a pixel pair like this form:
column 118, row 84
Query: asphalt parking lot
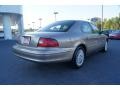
column 100, row 68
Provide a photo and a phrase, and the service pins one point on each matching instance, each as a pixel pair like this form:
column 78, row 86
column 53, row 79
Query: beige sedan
column 68, row 40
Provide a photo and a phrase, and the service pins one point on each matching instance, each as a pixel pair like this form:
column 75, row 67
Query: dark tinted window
column 85, row 27
column 60, row 26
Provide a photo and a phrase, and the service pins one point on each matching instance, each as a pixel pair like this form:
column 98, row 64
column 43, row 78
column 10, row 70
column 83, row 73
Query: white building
column 11, row 15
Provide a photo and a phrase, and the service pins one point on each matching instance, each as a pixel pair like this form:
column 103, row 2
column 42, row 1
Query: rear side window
column 86, row 28
column 60, row 26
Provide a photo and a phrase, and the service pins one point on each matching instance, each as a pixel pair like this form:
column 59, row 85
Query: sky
column 32, row 13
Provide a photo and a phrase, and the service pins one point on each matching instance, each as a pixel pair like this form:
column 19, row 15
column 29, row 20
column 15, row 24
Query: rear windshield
column 59, row 26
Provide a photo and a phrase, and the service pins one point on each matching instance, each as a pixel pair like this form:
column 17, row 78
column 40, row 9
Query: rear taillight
column 47, row 42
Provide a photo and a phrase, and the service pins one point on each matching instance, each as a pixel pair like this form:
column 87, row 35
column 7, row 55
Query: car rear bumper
column 43, row 54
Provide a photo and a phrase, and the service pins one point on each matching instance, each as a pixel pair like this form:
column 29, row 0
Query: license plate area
column 25, row 40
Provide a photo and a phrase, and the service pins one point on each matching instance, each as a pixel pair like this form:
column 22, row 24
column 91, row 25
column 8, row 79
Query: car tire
column 105, row 48
column 78, row 57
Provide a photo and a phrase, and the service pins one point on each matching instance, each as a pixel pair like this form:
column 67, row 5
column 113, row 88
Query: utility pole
column 119, row 16
column 119, row 20
column 119, row 11
column 40, row 19
column 102, row 20
column 55, row 13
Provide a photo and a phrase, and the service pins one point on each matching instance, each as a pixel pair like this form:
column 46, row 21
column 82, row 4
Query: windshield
column 59, row 26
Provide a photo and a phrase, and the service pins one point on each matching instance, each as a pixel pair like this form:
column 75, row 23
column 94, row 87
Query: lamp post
column 55, row 13
column 40, row 19
column 33, row 24
column 28, row 26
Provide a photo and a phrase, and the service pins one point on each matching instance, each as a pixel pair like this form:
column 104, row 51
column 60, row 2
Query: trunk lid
column 32, row 38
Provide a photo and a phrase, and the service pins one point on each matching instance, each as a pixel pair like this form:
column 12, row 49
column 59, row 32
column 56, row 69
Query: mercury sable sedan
column 68, row 40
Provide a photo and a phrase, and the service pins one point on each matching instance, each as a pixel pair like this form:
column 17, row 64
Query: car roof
column 74, row 20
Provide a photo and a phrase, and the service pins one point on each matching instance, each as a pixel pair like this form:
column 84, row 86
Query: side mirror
column 104, row 32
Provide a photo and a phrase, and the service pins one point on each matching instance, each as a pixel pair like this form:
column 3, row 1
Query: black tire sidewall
column 75, row 56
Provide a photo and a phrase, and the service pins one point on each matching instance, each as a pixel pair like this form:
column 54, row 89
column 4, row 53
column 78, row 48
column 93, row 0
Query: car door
column 90, row 38
column 100, row 39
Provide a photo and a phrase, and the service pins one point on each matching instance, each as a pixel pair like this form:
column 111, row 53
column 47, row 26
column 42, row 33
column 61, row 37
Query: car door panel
column 91, row 40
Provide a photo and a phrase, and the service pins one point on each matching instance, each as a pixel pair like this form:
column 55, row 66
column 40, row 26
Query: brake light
column 47, row 42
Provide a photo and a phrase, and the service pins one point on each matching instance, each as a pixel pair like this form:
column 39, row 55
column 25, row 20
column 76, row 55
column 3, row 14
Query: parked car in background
column 1, row 34
column 107, row 32
column 115, row 34
column 68, row 40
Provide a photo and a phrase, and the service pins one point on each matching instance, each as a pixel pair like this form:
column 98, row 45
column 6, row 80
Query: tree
column 112, row 23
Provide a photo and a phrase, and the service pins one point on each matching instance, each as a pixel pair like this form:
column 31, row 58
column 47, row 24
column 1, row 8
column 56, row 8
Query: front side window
column 86, row 28
column 95, row 29
column 60, row 26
